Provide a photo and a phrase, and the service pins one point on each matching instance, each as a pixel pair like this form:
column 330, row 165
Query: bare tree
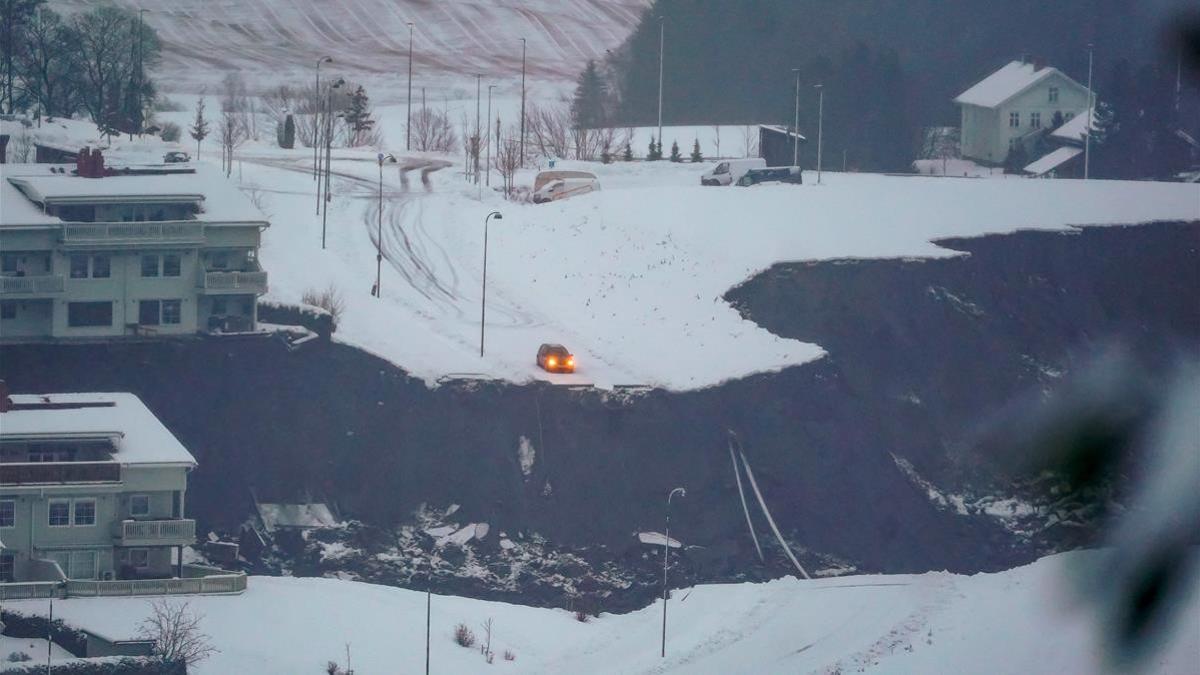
column 749, row 140
column 432, row 132
column 508, row 160
column 717, row 137
column 550, row 129
column 232, row 133
column 175, row 629
column 22, row 146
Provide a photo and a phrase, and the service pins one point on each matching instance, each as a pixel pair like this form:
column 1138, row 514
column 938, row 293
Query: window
column 139, row 505
column 170, row 311
column 139, row 558
column 85, row 512
column 148, row 312
column 8, row 513
column 171, row 265
column 8, row 310
column 8, row 263
column 50, row 456
column 220, row 260
column 79, row 266
column 101, row 266
column 82, row 314
column 1054, row 94
column 59, row 513
column 1014, row 119
column 219, row 306
column 83, row 565
column 8, row 567
column 150, row 265
column 1035, row 120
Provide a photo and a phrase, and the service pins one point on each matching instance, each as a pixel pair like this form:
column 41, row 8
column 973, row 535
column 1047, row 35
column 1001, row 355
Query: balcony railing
column 157, row 532
column 30, row 590
column 42, row 473
column 47, row 283
column 171, row 232
column 225, row 582
column 232, row 282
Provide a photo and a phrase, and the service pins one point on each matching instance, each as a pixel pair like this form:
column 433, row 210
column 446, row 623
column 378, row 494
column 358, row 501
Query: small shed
column 775, row 144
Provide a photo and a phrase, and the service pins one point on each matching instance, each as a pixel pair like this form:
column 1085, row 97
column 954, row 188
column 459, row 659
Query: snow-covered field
column 629, row 278
column 1025, row 620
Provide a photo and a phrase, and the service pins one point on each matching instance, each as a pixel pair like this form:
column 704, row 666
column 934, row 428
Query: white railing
column 156, row 531
column 29, row 590
column 101, row 233
column 249, row 282
column 46, row 283
column 229, row 582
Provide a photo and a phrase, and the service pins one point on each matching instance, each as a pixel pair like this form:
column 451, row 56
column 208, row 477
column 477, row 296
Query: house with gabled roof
column 1016, row 104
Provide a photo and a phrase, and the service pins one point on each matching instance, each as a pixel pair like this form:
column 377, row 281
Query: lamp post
column 522, row 103
column 666, row 554
column 488, row 162
column 1087, row 133
column 328, row 155
column 317, row 123
column 141, row 71
column 661, row 31
column 377, row 291
column 483, row 305
column 796, row 122
column 820, row 126
column 408, row 123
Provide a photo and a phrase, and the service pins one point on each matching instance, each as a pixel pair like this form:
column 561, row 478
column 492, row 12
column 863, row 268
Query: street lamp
column 141, row 71
column 483, row 305
column 316, row 122
column 666, row 553
column 377, row 291
column 661, row 24
column 820, row 123
column 478, row 138
column 328, row 156
column 488, row 162
column 522, row 103
column 1087, row 134
column 796, row 123
column 408, row 123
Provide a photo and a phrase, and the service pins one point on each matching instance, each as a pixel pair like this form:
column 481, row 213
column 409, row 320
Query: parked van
column 729, row 171
column 563, row 184
column 772, row 174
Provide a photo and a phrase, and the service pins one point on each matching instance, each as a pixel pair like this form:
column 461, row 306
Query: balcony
column 34, row 285
column 132, row 234
column 219, row 282
column 58, row 473
column 178, row 532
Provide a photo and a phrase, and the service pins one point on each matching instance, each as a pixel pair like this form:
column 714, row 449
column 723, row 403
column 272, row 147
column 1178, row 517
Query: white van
column 729, row 171
column 551, row 186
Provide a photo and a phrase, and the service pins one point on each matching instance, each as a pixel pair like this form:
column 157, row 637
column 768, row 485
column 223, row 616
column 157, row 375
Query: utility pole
column 478, row 138
column 1091, row 117
column 408, row 124
column 820, row 126
column 378, row 291
column 488, row 162
column 317, row 125
column 328, row 154
column 522, row 103
column 661, row 30
column 666, row 554
column 796, row 122
column 141, row 71
column 483, row 304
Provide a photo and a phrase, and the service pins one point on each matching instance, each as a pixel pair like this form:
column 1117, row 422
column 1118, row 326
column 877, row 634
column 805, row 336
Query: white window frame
column 1035, row 120
column 50, row 510
column 1014, row 120
column 75, row 509
column 133, row 499
column 1053, row 95
column 12, row 524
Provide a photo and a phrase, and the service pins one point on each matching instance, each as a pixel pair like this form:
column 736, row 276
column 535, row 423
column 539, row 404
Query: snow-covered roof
column 296, row 515
column 1006, row 83
column 786, row 131
column 139, row 437
column 220, row 199
column 1072, row 130
column 1053, row 160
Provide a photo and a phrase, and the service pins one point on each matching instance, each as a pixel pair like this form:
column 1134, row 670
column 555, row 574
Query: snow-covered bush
column 464, row 636
column 17, row 657
column 329, row 300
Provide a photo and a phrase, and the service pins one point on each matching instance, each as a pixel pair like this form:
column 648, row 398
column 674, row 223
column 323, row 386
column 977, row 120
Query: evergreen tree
column 1016, row 159
column 628, row 156
column 675, row 156
column 658, row 150
column 199, row 128
column 587, row 106
column 655, row 151
column 696, row 156
column 358, row 117
column 289, row 133
column 1057, row 121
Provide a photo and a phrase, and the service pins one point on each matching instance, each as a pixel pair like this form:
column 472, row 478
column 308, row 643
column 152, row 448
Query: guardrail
column 39, row 473
column 132, row 233
column 150, row 532
column 244, row 282
column 48, row 283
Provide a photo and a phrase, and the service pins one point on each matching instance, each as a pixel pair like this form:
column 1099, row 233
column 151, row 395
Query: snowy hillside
column 631, row 278
column 1024, row 620
column 282, row 39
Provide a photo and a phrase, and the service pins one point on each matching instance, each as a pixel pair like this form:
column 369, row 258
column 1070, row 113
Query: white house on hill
column 1013, row 105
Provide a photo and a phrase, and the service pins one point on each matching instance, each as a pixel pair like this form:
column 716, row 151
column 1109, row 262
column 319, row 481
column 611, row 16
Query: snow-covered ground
column 1025, row 620
column 629, row 278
